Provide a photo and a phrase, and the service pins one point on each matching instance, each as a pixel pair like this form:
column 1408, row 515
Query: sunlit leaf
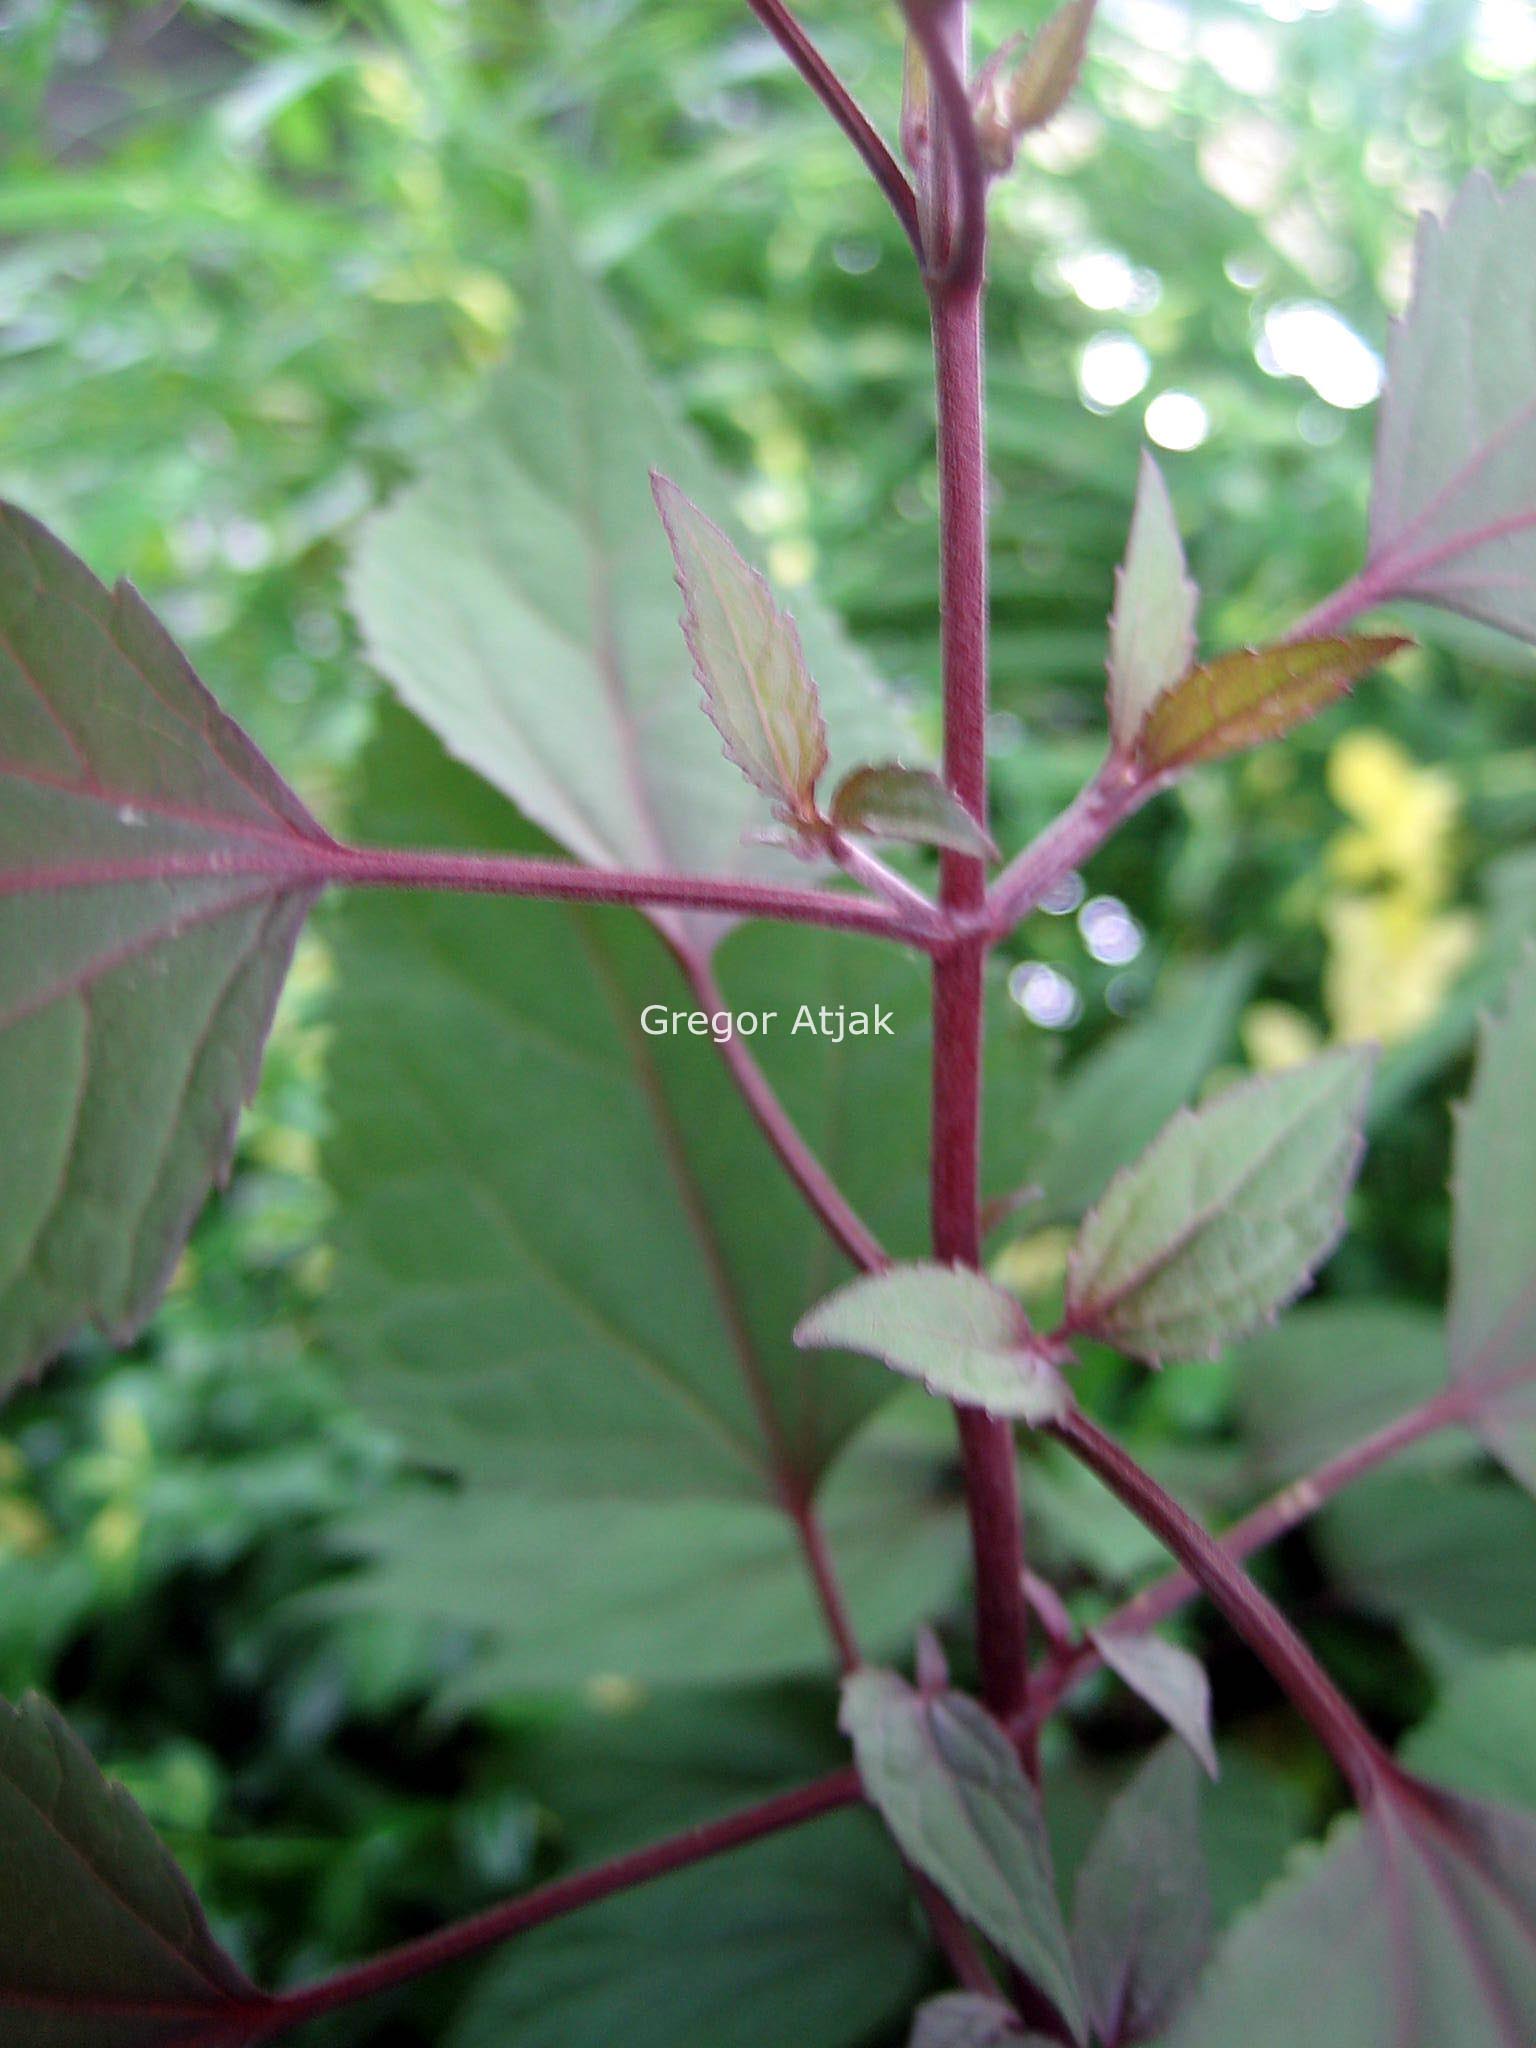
column 1169, row 1679
column 102, row 1943
column 1029, row 81
column 1226, row 1215
column 1241, row 699
column 1453, row 508
column 948, row 1327
column 1493, row 1296
column 889, row 801
column 1152, row 626
column 1141, row 1919
column 154, row 873
column 950, row 1787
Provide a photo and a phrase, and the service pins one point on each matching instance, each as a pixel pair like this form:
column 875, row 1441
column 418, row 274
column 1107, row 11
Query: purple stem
column 956, row 265
column 1390, row 576
column 1100, row 807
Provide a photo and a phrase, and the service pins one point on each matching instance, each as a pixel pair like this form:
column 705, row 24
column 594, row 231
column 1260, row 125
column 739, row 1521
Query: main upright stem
column 986, row 1443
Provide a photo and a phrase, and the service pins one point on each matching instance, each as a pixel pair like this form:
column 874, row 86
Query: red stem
column 845, row 111
column 1103, row 804
column 1252, row 1613
column 549, row 1902
column 939, row 28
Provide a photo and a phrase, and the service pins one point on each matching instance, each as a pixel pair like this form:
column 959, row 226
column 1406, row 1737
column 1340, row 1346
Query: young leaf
column 948, row 1327
column 1141, row 1918
column 746, row 658
column 1255, row 694
column 1226, row 1215
column 1453, row 507
column 1493, row 1292
column 1171, row 1680
column 1152, row 625
column 950, row 1787
column 1030, row 80
column 539, row 637
column 889, row 801
column 1412, row 1929
column 969, row 2019
column 133, row 1009
column 102, row 1943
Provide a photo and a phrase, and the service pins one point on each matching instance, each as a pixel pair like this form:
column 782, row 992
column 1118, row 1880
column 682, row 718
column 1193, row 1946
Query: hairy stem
column 1252, row 1613
column 551, row 1901
column 910, row 904
column 1103, row 805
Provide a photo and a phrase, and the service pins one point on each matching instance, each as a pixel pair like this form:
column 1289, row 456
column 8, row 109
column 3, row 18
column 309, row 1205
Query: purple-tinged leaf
column 949, row 1785
column 969, row 2019
column 1030, row 80
column 889, row 801
column 1142, row 1916
column 1226, row 1215
column 747, row 660
column 1493, row 1291
column 1152, row 625
column 1170, row 1680
column 1414, row 1928
column 1453, row 507
column 102, row 1943
column 948, row 1327
column 154, row 873
column 1242, row 699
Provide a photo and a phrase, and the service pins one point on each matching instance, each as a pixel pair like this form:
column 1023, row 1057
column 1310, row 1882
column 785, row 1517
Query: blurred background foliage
column 252, row 256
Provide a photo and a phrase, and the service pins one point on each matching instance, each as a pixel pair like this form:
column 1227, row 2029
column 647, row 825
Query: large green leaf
column 1225, row 1216
column 1453, row 508
column 133, row 1008
column 1493, row 1297
column 102, row 1944
column 520, row 599
column 950, row 1787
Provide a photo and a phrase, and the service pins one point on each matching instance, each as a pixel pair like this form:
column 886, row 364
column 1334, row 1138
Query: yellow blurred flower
column 1404, row 814
column 1276, row 1035
column 1390, row 963
column 1033, row 1264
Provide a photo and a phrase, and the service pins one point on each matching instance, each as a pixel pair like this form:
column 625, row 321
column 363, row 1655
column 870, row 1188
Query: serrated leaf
column 1226, row 1215
column 1453, row 506
column 1242, row 699
column 950, row 1787
column 889, row 801
column 747, row 659
column 969, row 2019
column 1142, row 1914
column 1027, row 84
column 1493, row 1245
column 1152, row 625
column 102, row 1943
column 538, row 637
column 1412, row 1929
column 1172, row 1682
column 948, row 1327
column 154, row 873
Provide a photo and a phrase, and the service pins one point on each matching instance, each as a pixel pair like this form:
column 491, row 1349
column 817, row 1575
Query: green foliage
column 1152, row 625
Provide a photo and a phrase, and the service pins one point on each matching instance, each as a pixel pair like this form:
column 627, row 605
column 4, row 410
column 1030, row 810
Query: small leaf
column 1226, row 1215
column 1453, row 505
column 102, row 1943
column 1415, row 1928
column 1254, row 694
column 948, row 1327
column 969, row 2019
column 1493, row 1292
column 747, row 659
column 1152, row 626
column 1028, row 82
column 1171, row 1680
column 950, row 1787
column 1141, row 1920
column 154, row 874
column 889, row 801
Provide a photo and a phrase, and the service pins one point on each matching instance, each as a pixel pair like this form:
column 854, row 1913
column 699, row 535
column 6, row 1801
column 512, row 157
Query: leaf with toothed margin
column 949, row 1785
column 102, row 1943
column 1453, row 504
column 1226, row 1215
column 1493, row 1259
column 1242, row 699
column 154, row 873
column 1142, row 1912
column 1030, row 80
column 1152, row 626
column 747, row 659
column 948, row 1327
column 1169, row 1679
column 888, row 801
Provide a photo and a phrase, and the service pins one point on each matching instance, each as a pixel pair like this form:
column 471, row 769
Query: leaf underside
column 1171, row 1680
column 1152, row 625
column 890, row 801
column 132, row 1014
